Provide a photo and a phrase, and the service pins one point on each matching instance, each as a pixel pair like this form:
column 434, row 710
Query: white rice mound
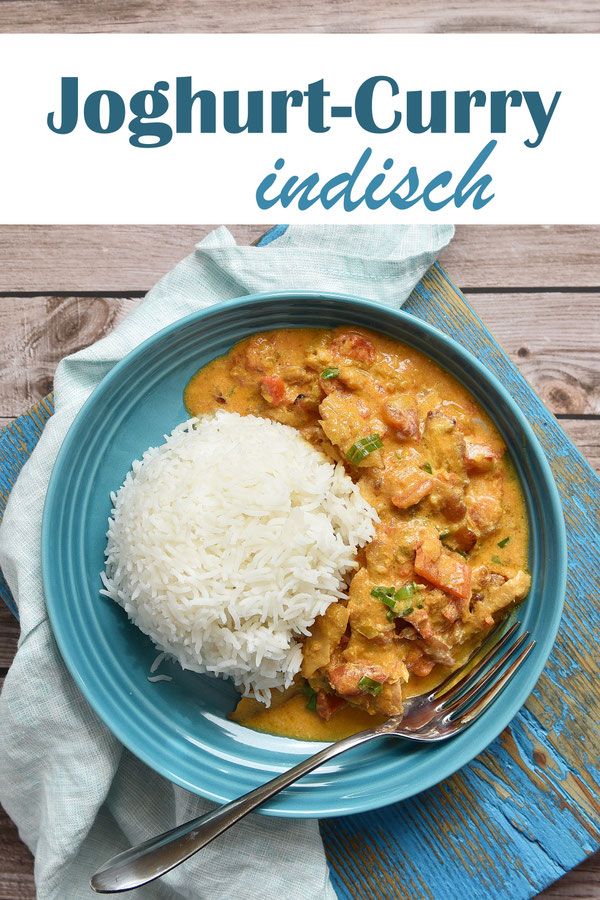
column 227, row 541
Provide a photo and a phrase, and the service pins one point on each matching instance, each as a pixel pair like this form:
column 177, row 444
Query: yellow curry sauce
column 449, row 556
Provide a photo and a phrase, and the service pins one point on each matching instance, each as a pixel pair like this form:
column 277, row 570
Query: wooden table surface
column 300, row 15
column 536, row 287
column 62, row 288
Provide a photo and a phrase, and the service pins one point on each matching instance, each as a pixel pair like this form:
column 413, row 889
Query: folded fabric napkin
column 76, row 795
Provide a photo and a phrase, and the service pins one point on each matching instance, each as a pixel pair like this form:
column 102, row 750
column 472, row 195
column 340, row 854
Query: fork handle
column 157, row 856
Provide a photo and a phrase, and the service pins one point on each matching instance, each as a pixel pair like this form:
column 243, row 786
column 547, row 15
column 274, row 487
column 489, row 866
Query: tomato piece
column 272, row 387
column 443, row 570
column 410, row 486
column 345, row 679
column 328, row 704
column 400, row 413
column 353, row 346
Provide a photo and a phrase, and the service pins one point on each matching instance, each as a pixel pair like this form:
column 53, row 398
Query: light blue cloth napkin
column 76, row 795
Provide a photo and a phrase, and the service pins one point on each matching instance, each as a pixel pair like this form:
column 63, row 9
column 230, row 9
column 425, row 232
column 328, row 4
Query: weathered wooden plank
column 9, row 635
column 310, row 15
column 99, row 258
column 16, row 871
column 16, row 866
column 585, row 434
column 37, row 332
column 536, row 256
column 555, row 341
column 125, row 258
column 16, row 445
column 556, row 344
column 582, row 883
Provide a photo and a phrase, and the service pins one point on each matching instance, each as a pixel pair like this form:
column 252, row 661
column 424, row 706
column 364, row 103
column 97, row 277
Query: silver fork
column 436, row 716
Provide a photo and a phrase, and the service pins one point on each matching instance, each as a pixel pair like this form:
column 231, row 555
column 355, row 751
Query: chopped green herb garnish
column 391, row 597
column 383, row 593
column 330, row 372
column 444, row 535
column 311, row 701
column 399, row 454
column 389, row 602
column 361, row 449
column 406, row 592
column 497, row 560
column 502, row 544
column 369, row 686
column 427, row 467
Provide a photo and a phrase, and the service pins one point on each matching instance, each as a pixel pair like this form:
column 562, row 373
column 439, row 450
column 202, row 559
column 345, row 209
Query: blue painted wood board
column 525, row 811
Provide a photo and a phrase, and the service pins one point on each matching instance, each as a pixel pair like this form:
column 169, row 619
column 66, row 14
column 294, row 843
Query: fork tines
column 460, row 698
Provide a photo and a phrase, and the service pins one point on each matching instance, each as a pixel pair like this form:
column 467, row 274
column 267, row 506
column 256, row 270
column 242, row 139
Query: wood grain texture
column 16, row 871
column 533, row 790
column 582, row 883
column 585, row 434
column 16, row 445
column 98, row 258
column 37, row 332
column 9, row 635
column 556, row 346
column 307, row 15
column 105, row 259
column 555, row 341
column 16, row 867
column 524, row 256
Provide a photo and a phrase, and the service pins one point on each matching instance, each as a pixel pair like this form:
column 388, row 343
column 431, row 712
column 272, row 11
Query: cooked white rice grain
column 227, row 541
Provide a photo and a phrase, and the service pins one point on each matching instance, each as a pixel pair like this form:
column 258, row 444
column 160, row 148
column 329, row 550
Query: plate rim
column 554, row 507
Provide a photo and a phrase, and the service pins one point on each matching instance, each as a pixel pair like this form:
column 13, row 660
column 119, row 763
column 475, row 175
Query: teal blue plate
column 180, row 728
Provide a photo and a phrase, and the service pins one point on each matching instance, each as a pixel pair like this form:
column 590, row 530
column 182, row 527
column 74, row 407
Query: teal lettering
column 92, row 112
column 279, row 108
column 462, row 109
column 231, row 113
column 363, row 105
column 147, row 106
column 69, row 107
column 414, row 112
column 541, row 117
column 185, row 102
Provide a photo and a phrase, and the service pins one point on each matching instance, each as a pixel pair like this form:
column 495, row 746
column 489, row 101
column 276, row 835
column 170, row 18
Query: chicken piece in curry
column 449, row 556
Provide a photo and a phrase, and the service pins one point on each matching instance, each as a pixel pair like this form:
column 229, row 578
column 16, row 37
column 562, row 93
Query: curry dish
column 449, row 556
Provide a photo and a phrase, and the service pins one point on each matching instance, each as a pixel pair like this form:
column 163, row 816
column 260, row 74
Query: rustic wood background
column 300, row 15
column 62, row 287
